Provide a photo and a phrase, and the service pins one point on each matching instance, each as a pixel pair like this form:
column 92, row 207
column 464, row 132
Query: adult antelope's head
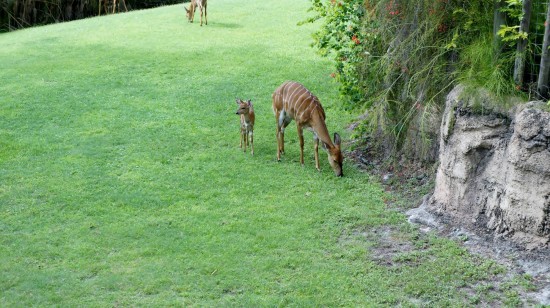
column 190, row 12
column 335, row 157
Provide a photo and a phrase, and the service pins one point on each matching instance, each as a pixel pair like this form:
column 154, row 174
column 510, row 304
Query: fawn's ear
column 249, row 102
column 237, row 100
column 337, row 139
column 186, row 9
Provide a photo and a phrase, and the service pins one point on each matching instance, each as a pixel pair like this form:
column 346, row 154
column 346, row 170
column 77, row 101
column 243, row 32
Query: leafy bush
column 342, row 38
column 398, row 59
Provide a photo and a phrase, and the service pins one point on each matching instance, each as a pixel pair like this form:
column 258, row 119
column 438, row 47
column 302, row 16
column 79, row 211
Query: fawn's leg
column 245, row 139
column 251, row 141
column 241, row 138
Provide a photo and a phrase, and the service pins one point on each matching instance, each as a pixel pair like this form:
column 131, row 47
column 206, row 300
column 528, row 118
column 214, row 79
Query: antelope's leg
column 301, row 137
column 245, row 138
column 284, row 123
column 201, row 16
column 316, row 150
column 205, row 18
column 282, row 136
column 246, row 131
column 251, row 142
column 278, row 135
column 241, row 138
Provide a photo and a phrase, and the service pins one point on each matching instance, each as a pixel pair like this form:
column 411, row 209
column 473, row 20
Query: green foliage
column 513, row 9
column 341, row 37
column 481, row 67
column 411, row 53
column 511, row 34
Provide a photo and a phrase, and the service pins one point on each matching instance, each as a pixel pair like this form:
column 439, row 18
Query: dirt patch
column 399, row 249
column 389, row 245
column 409, row 186
column 518, row 260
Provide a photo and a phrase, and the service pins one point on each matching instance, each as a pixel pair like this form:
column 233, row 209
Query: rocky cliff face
column 494, row 168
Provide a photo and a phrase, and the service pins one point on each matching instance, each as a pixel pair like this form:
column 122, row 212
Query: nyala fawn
column 246, row 110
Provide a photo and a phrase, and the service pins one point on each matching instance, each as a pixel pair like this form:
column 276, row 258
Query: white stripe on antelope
column 292, row 101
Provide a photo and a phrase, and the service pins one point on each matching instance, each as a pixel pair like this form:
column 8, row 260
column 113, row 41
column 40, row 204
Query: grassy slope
column 121, row 180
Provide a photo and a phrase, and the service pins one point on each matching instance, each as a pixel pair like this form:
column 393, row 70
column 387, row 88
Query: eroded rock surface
column 494, row 168
column 492, row 187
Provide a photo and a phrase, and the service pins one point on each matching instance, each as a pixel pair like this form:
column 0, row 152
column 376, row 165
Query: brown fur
column 246, row 110
column 292, row 101
column 201, row 4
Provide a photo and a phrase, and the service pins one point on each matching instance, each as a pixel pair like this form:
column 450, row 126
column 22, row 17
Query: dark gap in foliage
column 18, row 14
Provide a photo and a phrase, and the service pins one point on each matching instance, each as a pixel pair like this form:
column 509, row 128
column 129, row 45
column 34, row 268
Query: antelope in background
column 292, row 101
column 201, row 4
column 246, row 110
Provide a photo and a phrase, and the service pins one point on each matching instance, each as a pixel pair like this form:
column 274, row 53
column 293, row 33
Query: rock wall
column 494, row 170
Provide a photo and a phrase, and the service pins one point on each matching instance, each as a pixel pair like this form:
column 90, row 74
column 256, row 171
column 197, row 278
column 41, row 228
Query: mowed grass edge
column 122, row 182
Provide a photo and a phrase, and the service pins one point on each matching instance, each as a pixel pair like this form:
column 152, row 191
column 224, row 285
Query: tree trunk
column 519, row 66
column 499, row 19
column 542, row 84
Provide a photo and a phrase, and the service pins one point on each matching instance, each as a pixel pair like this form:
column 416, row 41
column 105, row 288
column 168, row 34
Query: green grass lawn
column 122, row 183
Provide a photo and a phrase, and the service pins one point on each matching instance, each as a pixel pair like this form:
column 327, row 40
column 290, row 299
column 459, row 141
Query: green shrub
column 397, row 60
column 342, row 38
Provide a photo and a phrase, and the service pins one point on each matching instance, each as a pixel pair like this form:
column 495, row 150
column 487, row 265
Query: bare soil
column 409, row 184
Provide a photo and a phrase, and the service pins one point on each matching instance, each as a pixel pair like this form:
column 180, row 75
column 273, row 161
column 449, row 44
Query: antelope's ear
column 237, row 100
column 186, row 9
column 337, row 139
column 249, row 102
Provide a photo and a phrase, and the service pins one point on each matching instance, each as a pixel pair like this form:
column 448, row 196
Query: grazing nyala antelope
column 246, row 110
column 292, row 101
column 201, row 4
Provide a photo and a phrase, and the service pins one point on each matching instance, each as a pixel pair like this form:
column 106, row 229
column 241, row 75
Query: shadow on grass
column 227, row 25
